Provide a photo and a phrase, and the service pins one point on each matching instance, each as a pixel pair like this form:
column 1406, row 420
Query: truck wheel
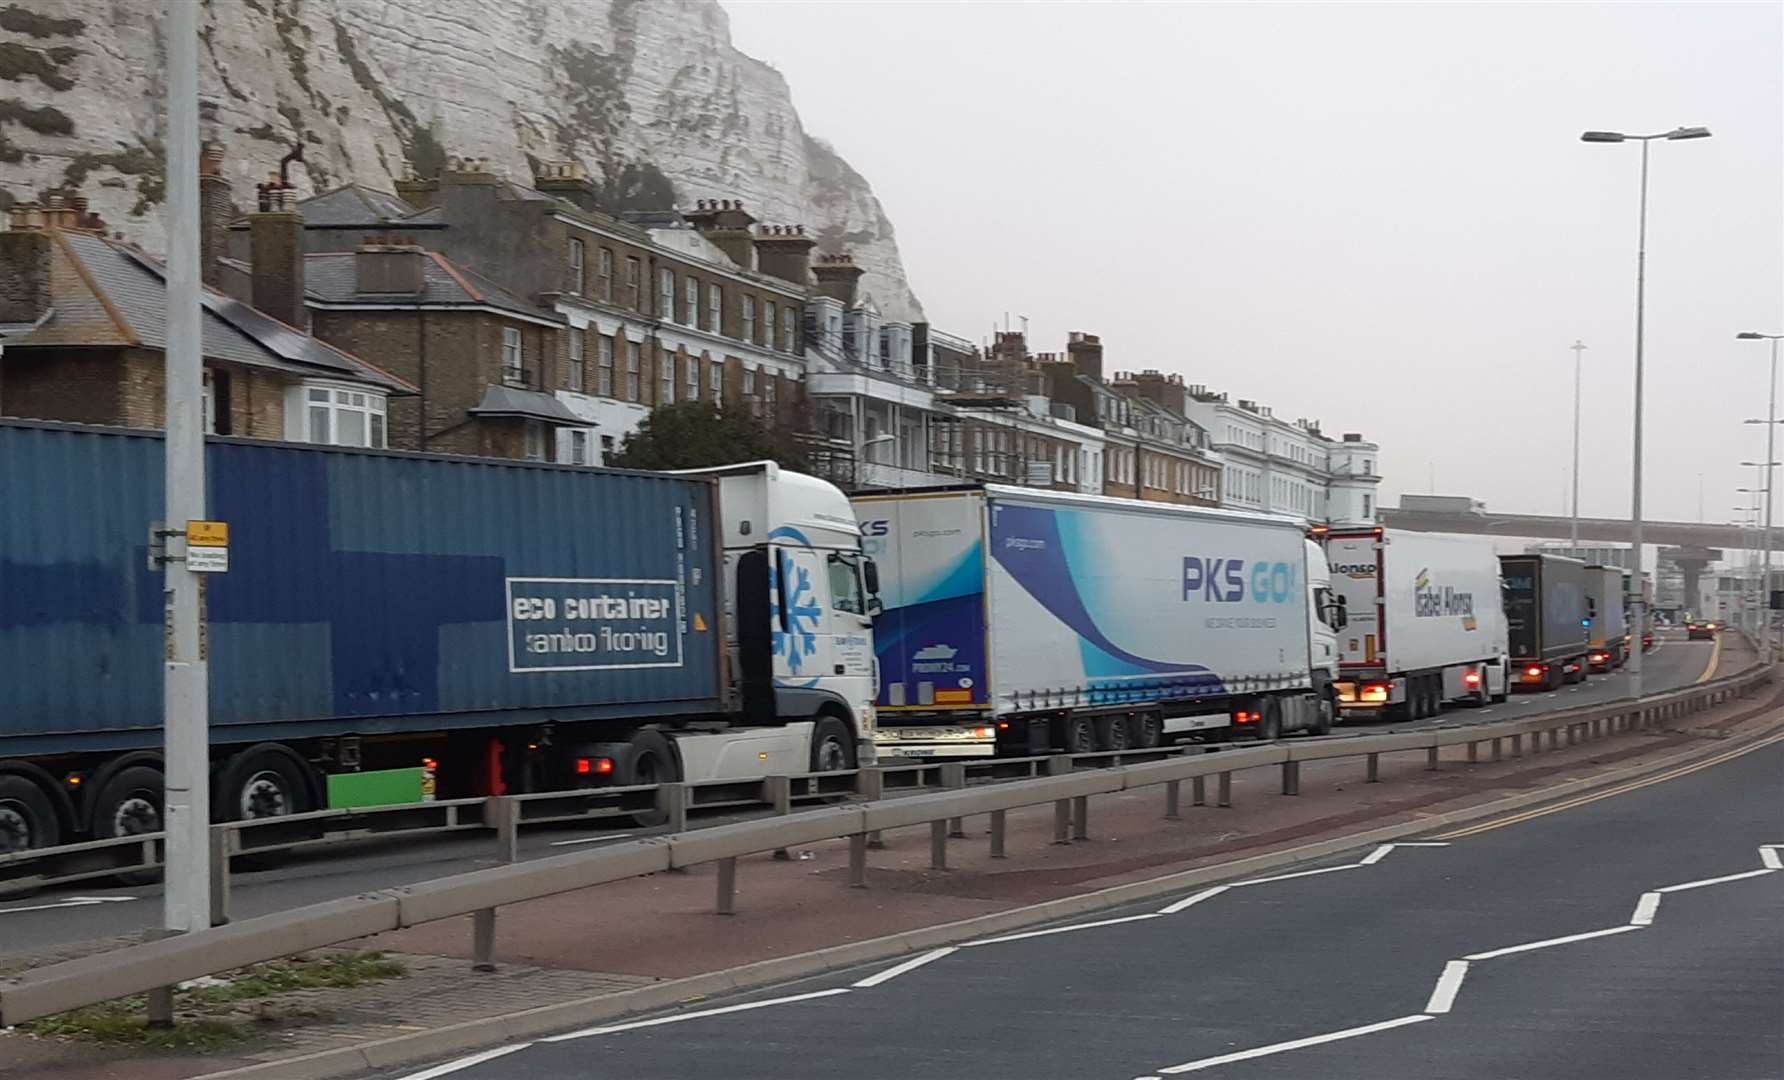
column 1325, row 712
column 27, row 817
column 652, row 762
column 1145, row 731
column 832, row 745
column 263, row 781
column 1077, row 735
column 129, row 805
column 1269, row 727
column 1111, row 733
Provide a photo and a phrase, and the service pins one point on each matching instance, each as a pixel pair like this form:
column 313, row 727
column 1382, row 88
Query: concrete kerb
column 470, row 1036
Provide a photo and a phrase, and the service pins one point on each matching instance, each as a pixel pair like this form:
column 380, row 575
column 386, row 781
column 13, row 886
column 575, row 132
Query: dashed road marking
column 695, row 1015
column 1645, row 909
column 1065, row 929
column 465, row 1062
column 1716, row 880
column 1449, row 984
column 912, row 964
column 1532, row 946
column 1295, row 1044
column 1191, row 901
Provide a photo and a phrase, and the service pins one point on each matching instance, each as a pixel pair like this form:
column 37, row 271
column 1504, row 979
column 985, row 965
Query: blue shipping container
column 366, row 592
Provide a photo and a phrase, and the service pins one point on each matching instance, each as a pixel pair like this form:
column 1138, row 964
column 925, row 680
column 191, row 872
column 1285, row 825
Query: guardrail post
column 1430, row 759
column 954, row 776
column 1081, row 817
column 1374, row 769
column 1573, row 734
column 1498, row 748
column 938, row 845
column 160, row 1006
column 1517, row 745
column 858, row 861
column 727, row 898
column 1223, row 790
column 870, row 784
column 1554, row 738
column 1291, row 778
column 483, row 939
column 1062, row 821
column 777, row 791
column 1198, row 791
column 1173, row 797
column 1473, row 751
column 997, row 834
column 503, row 815
column 221, row 848
column 672, row 801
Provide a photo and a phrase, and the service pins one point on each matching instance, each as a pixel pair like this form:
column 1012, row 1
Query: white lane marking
column 1423, row 843
column 1296, row 1044
column 697, row 1014
column 591, row 839
column 466, row 1062
column 912, row 964
column 1449, row 984
column 1064, row 929
column 1191, row 901
column 71, row 902
column 1715, row 880
column 1645, row 909
column 1300, row 873
column 1768, row 854
column 1377, row 855
column 1529, row 946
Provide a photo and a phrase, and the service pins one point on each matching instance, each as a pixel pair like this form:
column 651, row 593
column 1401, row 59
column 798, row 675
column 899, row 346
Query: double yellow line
column 1619, row 790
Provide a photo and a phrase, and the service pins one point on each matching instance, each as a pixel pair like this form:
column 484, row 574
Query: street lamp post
column 1638, row 608
column 1573, row 529
column 1750, row 543
column 1771, row 427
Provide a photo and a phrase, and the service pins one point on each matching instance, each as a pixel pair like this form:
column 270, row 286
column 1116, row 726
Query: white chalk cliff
column 650, row 94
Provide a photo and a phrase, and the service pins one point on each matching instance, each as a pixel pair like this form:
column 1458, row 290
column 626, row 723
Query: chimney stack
column 568, row 180
column 24, row 266
column 276, row 231
column 784, row 251
column 1086, row 354
column 215, row 211
column 726, row 225
column 838, row 277
column 389, row 266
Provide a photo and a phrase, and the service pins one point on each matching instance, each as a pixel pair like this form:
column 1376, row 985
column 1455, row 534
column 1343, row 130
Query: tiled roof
column 354, row 206
column 106, row 293
column 330, row 278
column 530, row 404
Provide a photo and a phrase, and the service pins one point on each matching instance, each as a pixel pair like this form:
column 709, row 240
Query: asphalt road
column 1413, row 962
column 98, row 910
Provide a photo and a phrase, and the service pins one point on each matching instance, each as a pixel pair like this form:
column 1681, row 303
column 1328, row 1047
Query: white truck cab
column 799, row 598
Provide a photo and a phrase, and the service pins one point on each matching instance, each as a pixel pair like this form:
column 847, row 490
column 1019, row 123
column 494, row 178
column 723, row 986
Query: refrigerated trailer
column 392, row 626
column 1425, row 626
column 1546, row 619
column 1021, row 621
column 1607, row 590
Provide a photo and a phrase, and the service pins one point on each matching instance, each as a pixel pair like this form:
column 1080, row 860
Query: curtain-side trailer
column 1607, row 591
column 1425, row 626
column 1546, row 619
column 394, row 626
column 1022, row 621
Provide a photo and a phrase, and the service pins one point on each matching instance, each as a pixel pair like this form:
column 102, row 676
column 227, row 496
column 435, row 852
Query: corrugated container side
column 366, row 591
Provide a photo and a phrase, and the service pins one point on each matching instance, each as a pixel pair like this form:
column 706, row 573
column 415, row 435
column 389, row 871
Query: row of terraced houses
column 468, row 313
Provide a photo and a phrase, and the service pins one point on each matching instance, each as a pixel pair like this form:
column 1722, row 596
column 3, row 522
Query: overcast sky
column 1378, row 216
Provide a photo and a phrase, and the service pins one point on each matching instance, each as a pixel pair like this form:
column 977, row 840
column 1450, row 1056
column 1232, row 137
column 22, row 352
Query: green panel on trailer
column 384, row 787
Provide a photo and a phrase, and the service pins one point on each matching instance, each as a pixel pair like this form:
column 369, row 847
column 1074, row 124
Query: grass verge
column 229, row 1009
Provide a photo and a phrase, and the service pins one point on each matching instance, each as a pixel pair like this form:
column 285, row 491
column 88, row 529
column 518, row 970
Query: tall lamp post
column 1573, row 529
column 1771, row 426
column 1751, row 523
column 1634, row 667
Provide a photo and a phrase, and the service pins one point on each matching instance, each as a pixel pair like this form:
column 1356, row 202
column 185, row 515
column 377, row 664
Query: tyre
column 28, row 818
column 651, row 762
column 832, row 745
column 1145, row 731
column 129, row 804
column 1077, row 735
column 1269, row 727
column 263, row 781
column 1326, row 714
column 1111, row 733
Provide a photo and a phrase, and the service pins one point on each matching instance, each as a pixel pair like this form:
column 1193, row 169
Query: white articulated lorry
column 1607, row 590
column 1020, row 621
column 1424, row 622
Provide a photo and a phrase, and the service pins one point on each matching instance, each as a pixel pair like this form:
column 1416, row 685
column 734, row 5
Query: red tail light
column 594, row 766
column 1471, row 679
column 1243, row 717
column 1533, row 671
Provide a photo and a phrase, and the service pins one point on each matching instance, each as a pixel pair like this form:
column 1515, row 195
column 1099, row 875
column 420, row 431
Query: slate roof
column 107, row 293
column 530, row 404
column 330, row 278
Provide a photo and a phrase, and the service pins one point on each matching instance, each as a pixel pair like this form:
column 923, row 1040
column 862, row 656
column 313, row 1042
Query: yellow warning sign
column 699, row 623
column 207, row 534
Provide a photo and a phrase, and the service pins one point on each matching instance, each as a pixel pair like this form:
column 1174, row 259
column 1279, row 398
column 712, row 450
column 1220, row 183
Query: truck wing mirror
column 870, row 576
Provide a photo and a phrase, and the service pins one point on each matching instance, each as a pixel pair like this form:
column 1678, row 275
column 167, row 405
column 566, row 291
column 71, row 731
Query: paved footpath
column 1634, row 935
